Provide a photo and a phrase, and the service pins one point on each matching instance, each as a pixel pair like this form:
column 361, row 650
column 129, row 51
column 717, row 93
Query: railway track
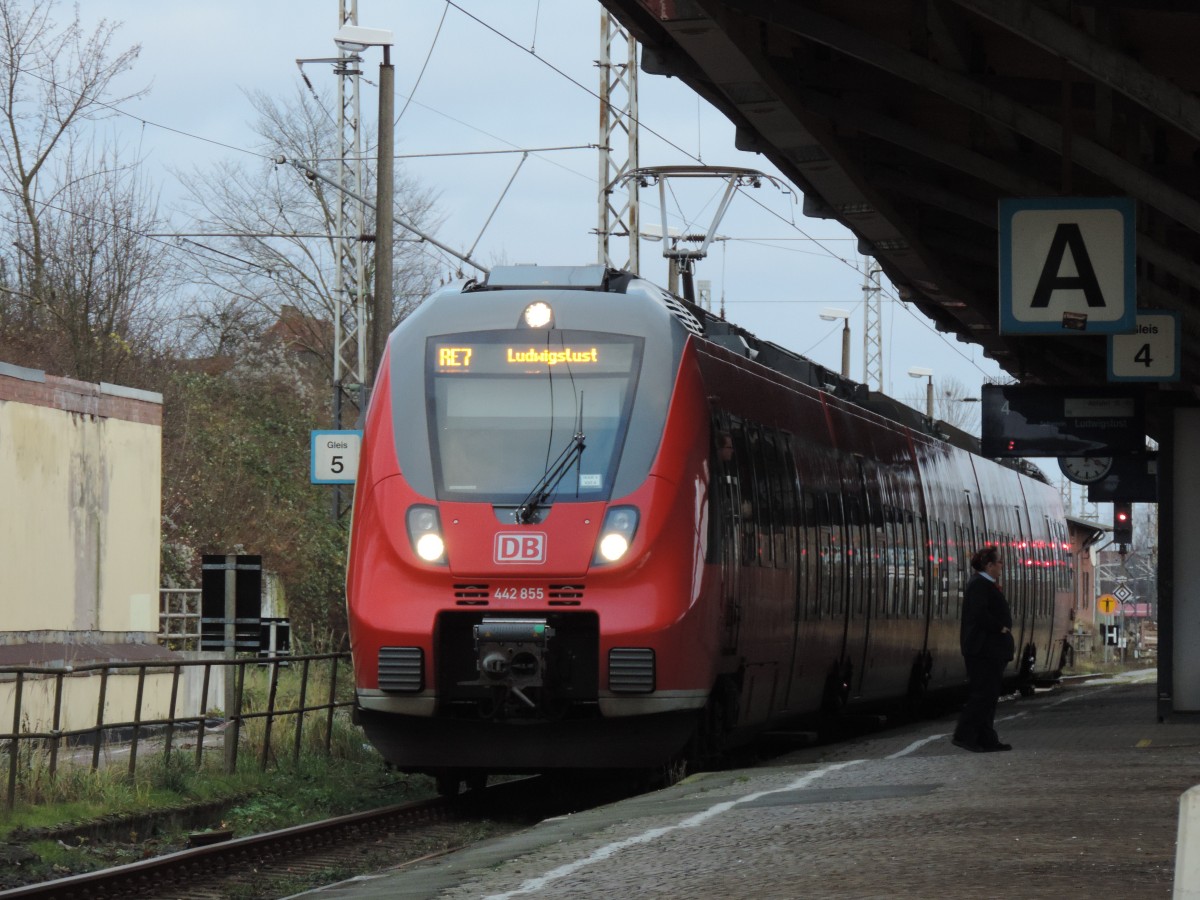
column 305, row 855
column 290, row 860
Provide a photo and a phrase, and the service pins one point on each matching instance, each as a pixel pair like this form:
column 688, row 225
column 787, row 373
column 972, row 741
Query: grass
column 290, row 794
column 156, row 804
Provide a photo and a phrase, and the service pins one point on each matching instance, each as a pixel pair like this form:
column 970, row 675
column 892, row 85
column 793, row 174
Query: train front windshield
column 505, row 406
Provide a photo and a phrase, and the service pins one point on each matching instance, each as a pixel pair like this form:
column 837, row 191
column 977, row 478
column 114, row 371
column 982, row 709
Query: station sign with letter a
column 1067, row 265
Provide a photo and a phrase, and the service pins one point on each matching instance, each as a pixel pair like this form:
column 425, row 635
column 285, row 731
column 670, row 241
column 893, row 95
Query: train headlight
column 425, row 533
column 538, row 315
column 620, row 524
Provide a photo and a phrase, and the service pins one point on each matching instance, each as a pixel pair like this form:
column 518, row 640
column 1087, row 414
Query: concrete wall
column 80, row 499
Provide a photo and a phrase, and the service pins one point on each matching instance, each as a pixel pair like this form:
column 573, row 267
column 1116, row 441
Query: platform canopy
column 908, row 121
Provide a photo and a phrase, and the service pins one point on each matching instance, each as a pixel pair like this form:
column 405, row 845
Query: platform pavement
column 1085, row 805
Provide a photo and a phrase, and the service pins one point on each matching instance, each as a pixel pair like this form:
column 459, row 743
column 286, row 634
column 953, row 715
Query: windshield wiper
column 545, row 487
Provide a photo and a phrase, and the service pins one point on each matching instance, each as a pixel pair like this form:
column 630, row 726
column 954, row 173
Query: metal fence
column 140, row 727
column 179, row 618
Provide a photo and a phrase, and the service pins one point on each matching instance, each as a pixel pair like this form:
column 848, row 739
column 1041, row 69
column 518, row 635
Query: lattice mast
column 872, row 326
column 350, row 312
column 618, row 197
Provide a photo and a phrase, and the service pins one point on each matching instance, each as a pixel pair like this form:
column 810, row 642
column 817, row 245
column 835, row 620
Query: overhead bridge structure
column 909, row 121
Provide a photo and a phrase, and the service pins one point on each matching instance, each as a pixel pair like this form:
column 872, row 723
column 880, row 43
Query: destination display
column 490, row 357
column 1020, row 420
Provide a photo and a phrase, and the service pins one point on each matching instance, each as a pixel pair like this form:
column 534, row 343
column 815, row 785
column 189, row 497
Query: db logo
column 520, row 547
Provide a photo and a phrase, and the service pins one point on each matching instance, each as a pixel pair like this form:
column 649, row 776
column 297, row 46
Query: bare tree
column 278, row 248
column 99, row 305
column 76, row 269
column 953, row 403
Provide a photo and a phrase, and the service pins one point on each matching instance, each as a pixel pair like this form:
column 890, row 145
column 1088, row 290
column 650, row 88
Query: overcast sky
column 514, row 75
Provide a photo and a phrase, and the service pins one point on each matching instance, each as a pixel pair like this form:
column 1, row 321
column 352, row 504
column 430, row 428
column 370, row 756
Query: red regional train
column 597, row 527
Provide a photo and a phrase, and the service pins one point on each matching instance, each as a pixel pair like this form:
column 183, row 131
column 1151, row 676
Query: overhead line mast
column 872, row 325
column 349, row 286
column 618, row 144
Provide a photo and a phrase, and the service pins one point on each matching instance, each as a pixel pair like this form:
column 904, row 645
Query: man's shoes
column 996, row 747
column 968, row 745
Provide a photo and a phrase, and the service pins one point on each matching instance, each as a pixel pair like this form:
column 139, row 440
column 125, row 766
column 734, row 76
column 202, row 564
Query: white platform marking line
column 1090, row 693
column 609, row 850
column 916, row 745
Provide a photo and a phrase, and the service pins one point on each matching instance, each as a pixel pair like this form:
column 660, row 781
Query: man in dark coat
column 987, row 646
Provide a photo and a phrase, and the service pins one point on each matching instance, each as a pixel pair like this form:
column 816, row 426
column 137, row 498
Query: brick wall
column 106, row 401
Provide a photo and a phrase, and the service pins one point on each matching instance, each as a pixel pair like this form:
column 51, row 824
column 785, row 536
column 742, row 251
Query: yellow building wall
column 80, row 498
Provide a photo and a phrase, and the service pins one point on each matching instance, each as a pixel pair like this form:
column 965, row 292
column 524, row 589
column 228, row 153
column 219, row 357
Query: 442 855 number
column 519, row 593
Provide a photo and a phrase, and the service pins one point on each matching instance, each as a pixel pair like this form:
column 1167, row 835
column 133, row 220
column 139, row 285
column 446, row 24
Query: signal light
column 1123, row 523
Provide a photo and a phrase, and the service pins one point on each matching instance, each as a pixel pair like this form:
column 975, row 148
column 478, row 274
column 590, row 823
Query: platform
column 1085, row 805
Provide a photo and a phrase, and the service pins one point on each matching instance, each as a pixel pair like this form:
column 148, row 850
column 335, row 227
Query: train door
column 857, row 621
column 1023, row 603
column 727, row 519
column 836, row 591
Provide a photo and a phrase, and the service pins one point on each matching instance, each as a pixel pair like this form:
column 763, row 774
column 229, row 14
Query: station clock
column 1085, row 469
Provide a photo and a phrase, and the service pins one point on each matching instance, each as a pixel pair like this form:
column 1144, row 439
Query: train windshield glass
column 504, row 406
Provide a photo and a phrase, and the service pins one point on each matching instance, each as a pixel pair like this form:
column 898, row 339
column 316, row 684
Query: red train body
column 616, row 537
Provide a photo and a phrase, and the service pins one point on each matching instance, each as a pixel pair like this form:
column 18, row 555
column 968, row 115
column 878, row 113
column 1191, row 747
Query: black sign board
column 1020, row 420
column 247, row 601
column 1132, row 479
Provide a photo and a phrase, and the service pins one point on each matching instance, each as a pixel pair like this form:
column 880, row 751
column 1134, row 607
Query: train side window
column 937, row 569
column 811, row 553
column 763, row 515
column 885, row 541
column 963, row 555
column 837, row 556
column 852, row 506
column 920, row 564
column 776, row 488
column 746, row 514
column 905, row 562
column 829, row 550
column 786, row 508
column 894, row 551
column 719, row 488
